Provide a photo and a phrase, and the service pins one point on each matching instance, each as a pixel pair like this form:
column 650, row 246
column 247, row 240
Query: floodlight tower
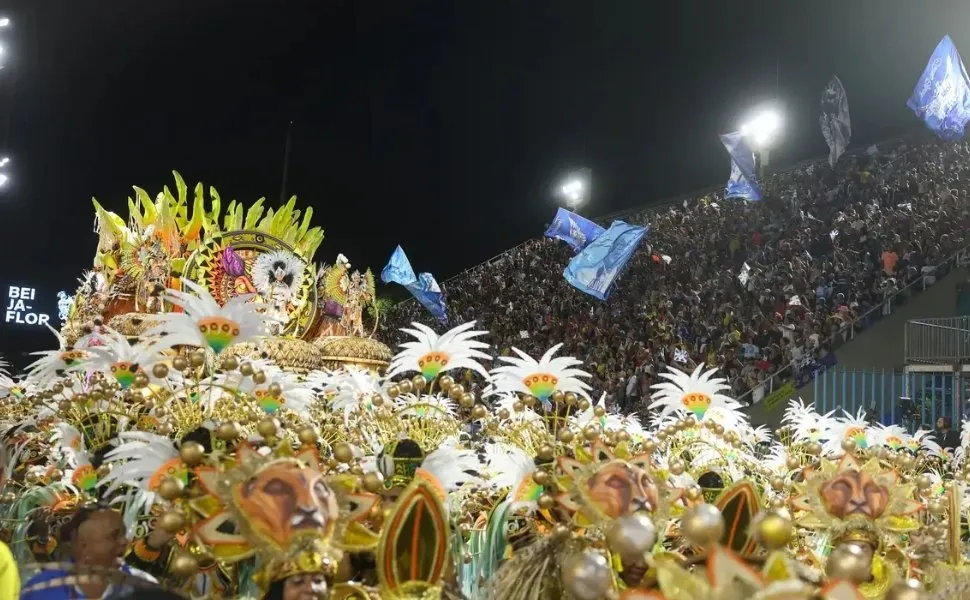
column 761, row 132
column 574, row 189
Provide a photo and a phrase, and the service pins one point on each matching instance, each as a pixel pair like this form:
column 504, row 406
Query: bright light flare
column 574, row 190
column 4, row 22
column 763, row 128
column 4, row 161
column 3, row 180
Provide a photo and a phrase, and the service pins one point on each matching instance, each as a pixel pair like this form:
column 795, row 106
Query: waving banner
column 942, row 94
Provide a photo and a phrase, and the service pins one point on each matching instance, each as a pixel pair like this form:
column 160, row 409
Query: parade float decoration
column 223, row 392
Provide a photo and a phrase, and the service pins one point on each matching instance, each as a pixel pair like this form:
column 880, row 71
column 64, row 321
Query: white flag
column 836, row 127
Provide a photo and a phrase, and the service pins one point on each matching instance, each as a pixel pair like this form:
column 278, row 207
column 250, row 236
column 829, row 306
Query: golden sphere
column 393, row 391
column 676, row 467
column 557, row 397
column 691, row 421
column 308, row 436
column 467, row 400
column 584, row 404
column 774, row 530
column 693, row 493
column 662, row 436
column 702, row 525
column 64, row 406
column 183, row 565
column 777, row 484
column 813, row 448
column 936, row 508
column 560, row 531
column 227, row 432
column 570, row 398
column 445, row 382
column 140, row 380
column 343, row 452
column 246, row 369
column 57, row 388
column 545, row 501
column 405, row 386
column 504, row 414
column 649, row 446
column 587, row 575
column 591, row 433
column 599, row 411
column 622, row 436
column 179, row 363
column 924, row 482
column 541, row 477
column 170, row 488
column 230, row 363
column 377, row 400
column 566, row 435
column 266, row 428
column 718, row 429
column 192, row 453
column 518, row 406
column 850, row 562
column 171, row 522
column 259, row 378
column 910, row 589
column 275, row 390
column 456, row 391
column 160, row 370
column 197, row 358
column 491, row 425
column 546, row 452
column 372, row 481
column 632, row 536
column 793, row 463
column 479, row 412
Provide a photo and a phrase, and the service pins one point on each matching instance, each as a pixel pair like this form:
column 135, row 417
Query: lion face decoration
column 616, row 488
column 852, row 493
column 285, row 501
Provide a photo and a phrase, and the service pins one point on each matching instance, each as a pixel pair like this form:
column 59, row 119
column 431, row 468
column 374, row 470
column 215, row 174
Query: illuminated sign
column 20, row 307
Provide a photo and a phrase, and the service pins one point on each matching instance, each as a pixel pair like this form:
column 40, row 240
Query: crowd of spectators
column 759, row 289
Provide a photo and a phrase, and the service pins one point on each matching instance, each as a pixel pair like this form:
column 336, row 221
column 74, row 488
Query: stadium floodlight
column 4, row 22
column 762, row 129
column 574, row 190
column 4, row 161
column 4, row 179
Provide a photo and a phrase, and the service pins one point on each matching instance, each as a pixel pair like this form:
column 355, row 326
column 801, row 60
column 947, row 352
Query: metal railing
column 912, row 400
column 848, row 332
column 942, row 340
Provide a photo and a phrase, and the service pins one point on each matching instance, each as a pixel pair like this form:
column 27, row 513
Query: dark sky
column 439, row 125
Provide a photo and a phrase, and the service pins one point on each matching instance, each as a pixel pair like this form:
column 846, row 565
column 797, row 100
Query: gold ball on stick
column 849, row 561
column 405, row 386
column 587, row 575
column 793, row 463
column 160, row 370
column 702, row 525
column 183, row 565
column 246, row 369
column 910, row 589
column 197, row 358
column 192, row 453
column 230, row 363
column 467, row 400
column 546, row 452
column 171, row 522
column 343, row 452
column 227, row 432
column 541, row 477
column 445, row 383
column 632, row 536
column 479, row 412
column 418, row 382
column 545, row 501
column 308, row 436
column 456, row 391
column 393, row 391
column 259, row 378
column 170, row 488
column 556, row 397
column 140, row 380
column 774, row 530
column 372, row 481
column 923, row 482
column 266, row 428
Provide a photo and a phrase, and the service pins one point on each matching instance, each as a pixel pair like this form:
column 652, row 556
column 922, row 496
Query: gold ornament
column 192, row 453
column 813, row 448
column 170, row 488
column 308, row 436
column 923, row 482
column 393, row 391
column 456, row 391
column 445, row 382
column 372, row 481
column 275, row 390
column 774, row 530
column 259, row 378
column 631, row 536
column 246, row 369
column 793, row 463
column 179, row 363
column 160, row 370
column 702, row 525
column 140, row 380
column 587, row 575
column 183, row 565
column 405, row 386
column 591, row 433
column 230, row 363
column 849, row 561
column 777, row 484
column 467, row 400
column 197, row 358
column 557, row 397
column 227, row 432
column 546, row 453
column 545, row 501
column 171, row 522
column 566, row 435
column 911, row 589
column 541, row 477
column 342, row 452
column 584, row 404
column 479, row 412
column 266, row 428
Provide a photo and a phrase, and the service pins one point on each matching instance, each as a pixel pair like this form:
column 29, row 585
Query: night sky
column 439, row 125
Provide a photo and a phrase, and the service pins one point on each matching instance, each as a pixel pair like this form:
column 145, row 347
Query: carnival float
column 223, row 392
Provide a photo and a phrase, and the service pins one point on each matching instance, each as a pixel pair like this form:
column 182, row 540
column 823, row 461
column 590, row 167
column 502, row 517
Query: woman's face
column 306, row 586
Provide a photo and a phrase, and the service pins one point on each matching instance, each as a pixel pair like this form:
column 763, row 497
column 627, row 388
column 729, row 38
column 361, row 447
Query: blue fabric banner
column 942, row 94
column 423, row 286
column 595, row 269
column 743, row 182
column 573, row 229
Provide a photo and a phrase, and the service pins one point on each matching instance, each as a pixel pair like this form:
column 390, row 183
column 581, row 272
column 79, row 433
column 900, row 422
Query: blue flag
column 599, row 264
column 743, row 182
column 423, row 286
column 942, row 94
column 573, row 229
